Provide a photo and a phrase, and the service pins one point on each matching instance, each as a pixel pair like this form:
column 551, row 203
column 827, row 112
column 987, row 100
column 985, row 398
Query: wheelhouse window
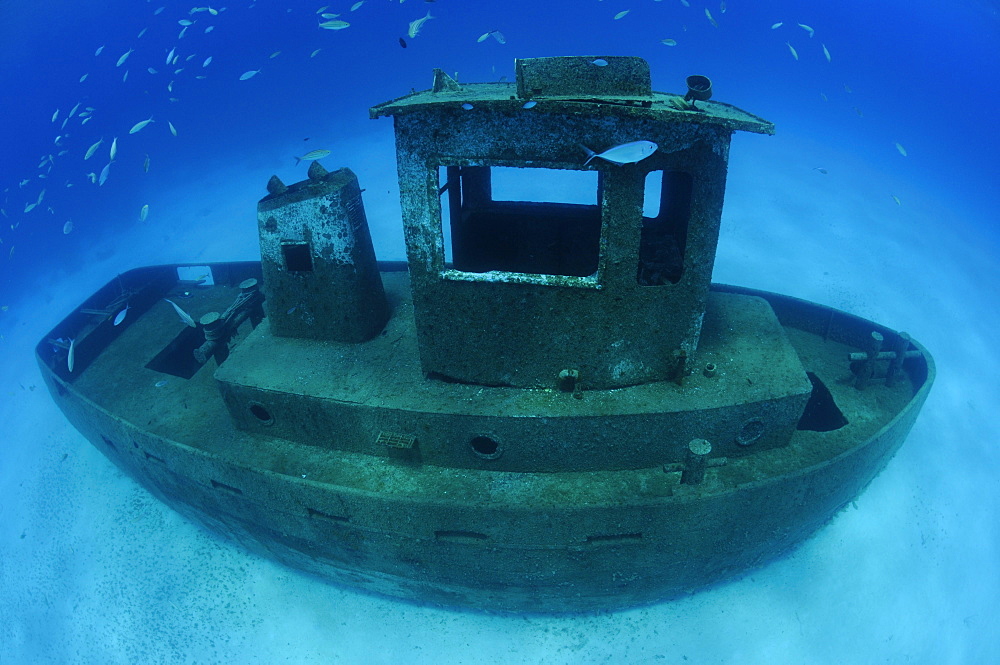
column 666, row 212
column 520, row 220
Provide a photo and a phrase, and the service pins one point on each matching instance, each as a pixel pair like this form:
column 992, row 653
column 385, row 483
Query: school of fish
column 75, row 137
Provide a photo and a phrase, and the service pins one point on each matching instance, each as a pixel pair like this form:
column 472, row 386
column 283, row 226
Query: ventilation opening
column 262, row 415
column 297, row 255
column 466, row 537
column 520, row 220
column 485, row 447
column 318, row 514
column 614, row 539
column 751, row 431
column 228, row 488
column 666, row 212
column 821, row 413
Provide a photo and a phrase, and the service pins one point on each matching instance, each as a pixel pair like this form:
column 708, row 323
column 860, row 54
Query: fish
column 711, row 20
column 336, row 25
column 190, row 57
column 99, row 49
column 114, row 149
column 144, row 213
column 55, row 114
column 777, row 25
column 357, row 5
column 685, row 3
column 84, row 121
column 145, row 165
column 497, row 35
column 599, row 62
column 185, row 317
column 722, row 7
column 68, row 227
column 312, row 156
column 71, row 354
column 820, row 169
column 622, row 14
column 209, row 29
column 93, row 178
column 249, row 75
column 529, row 105
column 806, row 28
column 84, row 78
column 313, row 54
column 170, row 87
column 669, row 42
column 180, row 35
column 626, row 153
column 416, row 26
column 795, row 54
column 158, row 11
column 104, row 174
column 170, row 56
column 121, row 315
column 901, row 149
column 329, row 16
column 124, row 57
column 896, row 199
column 826, row 52
column 274, row 55
column 141, row 33
column 173, row 130
column 73, row 110
column 207, row 62
column 467, row 106
column 28, row 207
column 139, row 125
column 151, row 70
column 125, row 76
column 160, row 383
column 185, row 22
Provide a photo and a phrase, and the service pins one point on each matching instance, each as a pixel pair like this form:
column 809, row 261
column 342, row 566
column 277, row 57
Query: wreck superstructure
column 547, row 407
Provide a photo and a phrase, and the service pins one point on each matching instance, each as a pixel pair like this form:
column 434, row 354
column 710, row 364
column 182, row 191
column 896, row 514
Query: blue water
column 919, row 73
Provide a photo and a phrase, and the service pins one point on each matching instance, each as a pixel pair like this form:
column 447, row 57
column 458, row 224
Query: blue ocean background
column 877, row 195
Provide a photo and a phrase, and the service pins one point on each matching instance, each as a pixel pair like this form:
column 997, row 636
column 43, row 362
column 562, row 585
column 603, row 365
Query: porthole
column 486, row 447
column 262, row 415
column 752, row 430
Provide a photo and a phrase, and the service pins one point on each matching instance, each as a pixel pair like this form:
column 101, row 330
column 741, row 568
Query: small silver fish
column 626, row 153
column 806, row 28
column 114, row 149
column 312, row 156
column 124, row 57
column 249, row 75
column 416, row 26
column 144, row 213
column 139, row 125
column 71, row 355
column 185, row 317
column 826, row 52
column 795, row 54
column 121, row 315
column 105, row 172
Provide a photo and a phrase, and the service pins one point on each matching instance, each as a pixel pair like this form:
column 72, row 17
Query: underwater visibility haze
column 144, row 133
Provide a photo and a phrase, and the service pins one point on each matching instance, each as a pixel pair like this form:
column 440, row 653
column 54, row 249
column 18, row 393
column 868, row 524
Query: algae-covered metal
column 548, row 407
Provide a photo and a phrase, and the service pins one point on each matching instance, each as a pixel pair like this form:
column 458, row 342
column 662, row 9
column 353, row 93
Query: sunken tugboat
column 548, row 407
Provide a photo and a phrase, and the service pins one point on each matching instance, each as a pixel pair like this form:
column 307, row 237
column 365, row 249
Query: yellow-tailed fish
column 99, row 49
column 335, row 25
column 806, row 28
column 173, row 130
column 55, row 114
column 185, row 317
column 795, row 54
column 114, row 149
column 71, row 354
